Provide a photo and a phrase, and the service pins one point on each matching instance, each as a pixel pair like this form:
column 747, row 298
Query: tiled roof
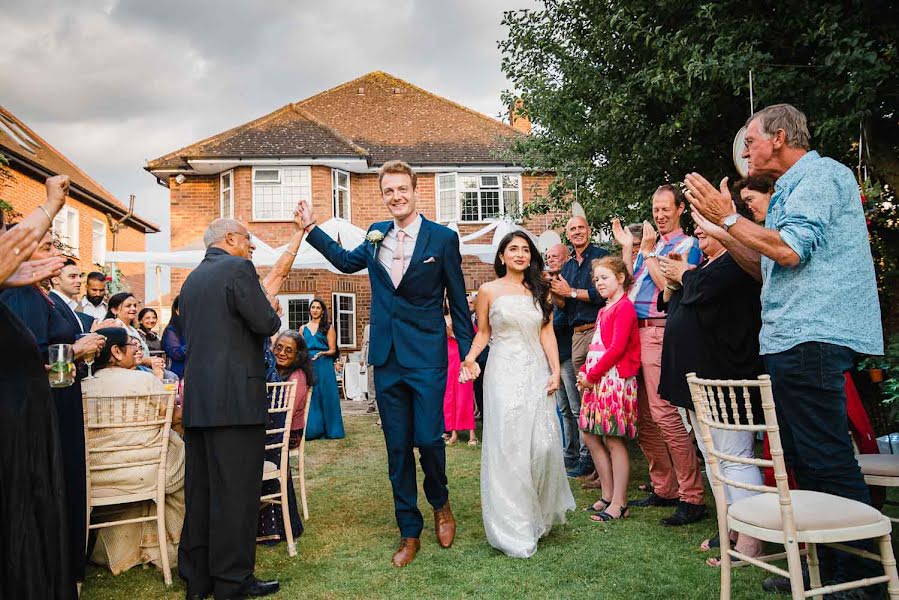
column 21, row 144
column 377, row 116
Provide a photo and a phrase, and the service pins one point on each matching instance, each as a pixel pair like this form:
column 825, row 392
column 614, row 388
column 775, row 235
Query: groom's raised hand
column 305, row 215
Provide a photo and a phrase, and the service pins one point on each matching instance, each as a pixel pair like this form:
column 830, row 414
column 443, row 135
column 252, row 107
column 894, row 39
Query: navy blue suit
column 407, row 347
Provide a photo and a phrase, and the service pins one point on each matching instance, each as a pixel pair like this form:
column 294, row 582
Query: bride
column 524, row 489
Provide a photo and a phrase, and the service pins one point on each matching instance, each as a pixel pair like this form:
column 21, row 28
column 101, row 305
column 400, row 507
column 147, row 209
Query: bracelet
column 294, row 254
column 49, row 218
column 672, row 287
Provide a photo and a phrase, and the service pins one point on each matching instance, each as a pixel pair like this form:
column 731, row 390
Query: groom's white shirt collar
column 411, row 229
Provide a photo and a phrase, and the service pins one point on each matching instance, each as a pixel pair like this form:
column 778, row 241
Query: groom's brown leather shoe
column 445, row 525
column 406, row 552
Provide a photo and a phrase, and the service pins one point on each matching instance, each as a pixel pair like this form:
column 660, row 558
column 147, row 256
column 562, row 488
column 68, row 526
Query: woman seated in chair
column 286, row 360
column 121, row 547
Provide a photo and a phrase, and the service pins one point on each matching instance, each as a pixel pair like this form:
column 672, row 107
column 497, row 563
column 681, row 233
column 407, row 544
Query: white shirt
column 388, row 245
column 71, row 304
column 98, row 312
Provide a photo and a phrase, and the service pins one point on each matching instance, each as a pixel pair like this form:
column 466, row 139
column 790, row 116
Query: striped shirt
column 644, row 293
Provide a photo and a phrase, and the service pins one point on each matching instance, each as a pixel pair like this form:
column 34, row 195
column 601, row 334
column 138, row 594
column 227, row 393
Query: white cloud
column 114, row 83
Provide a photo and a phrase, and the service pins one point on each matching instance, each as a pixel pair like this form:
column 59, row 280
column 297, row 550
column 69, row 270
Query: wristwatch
column 648, row 255
column 729, row 221
column 573, row 293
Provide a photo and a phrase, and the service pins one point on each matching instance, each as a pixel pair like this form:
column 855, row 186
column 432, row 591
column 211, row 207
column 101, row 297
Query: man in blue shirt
column 819, row 299
column 574, row 290
column 568, row 399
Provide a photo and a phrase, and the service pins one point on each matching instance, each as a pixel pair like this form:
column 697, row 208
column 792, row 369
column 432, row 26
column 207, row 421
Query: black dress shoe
column 781, row 585
column 255, row 588
column 193, row 594
column 685, row 514
column 653, row 499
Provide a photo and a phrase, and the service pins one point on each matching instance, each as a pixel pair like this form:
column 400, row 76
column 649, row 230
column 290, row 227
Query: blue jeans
column 810, row 401
column 568, row 399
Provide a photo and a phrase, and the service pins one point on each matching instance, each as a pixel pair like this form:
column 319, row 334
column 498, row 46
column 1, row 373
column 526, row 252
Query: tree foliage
column 625, row 96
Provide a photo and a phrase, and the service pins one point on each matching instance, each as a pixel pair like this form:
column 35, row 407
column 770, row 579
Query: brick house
column 328, row 149
column 83, row 224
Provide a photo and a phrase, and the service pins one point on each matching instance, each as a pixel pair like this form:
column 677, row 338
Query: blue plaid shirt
column 831, row 295
column 644, row 293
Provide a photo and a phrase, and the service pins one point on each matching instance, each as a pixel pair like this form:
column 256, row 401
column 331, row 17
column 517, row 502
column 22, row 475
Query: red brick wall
column 25, row 194
column 195, row 203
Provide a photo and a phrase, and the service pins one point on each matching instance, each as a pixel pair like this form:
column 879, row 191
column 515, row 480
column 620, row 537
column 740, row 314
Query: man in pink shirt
column 673, row 465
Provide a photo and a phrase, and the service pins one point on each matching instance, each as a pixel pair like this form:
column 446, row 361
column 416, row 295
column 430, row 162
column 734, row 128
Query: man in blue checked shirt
column 673, row 465
column 819, row 301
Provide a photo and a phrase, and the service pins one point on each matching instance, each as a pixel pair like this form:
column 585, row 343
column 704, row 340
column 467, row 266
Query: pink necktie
column 399, row 256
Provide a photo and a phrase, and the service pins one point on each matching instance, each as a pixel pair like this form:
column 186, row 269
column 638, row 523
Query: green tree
column 627, row 95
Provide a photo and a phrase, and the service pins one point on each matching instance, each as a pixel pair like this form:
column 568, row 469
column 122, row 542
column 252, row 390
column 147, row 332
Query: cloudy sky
column 114, row 83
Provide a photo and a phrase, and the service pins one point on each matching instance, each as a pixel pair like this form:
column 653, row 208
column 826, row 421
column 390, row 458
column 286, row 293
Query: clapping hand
column 97, row 324
column 622, row 235
column 648, row 243
column 716, row 232
column 673, row 267
column 88, row 344
column 714, row 204
column 57, row 190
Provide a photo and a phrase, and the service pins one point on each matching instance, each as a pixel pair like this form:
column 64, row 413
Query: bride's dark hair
column 533, row 275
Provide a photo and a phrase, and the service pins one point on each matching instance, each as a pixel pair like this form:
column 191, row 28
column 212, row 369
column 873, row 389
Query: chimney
column 518, row 119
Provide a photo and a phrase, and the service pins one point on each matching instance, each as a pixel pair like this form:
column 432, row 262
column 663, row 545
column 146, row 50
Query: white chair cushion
column 883, row 465
column 811, row 510
column 269, row 467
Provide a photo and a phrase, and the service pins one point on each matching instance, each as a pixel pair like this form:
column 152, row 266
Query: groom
column 412, row 263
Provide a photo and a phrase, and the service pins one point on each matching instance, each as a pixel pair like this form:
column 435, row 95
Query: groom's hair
column 397, row 166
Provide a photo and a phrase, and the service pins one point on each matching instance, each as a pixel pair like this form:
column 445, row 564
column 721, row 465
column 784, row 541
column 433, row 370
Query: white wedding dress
column 524, row 489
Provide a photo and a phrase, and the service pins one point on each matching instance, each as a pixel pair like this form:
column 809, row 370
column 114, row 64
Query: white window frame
column 285, row 299
column 287, row 204
column 447, row 182
column 230, row 189
column 335, row 316
column 98, row 248
column 336, row 188
column 66, row 222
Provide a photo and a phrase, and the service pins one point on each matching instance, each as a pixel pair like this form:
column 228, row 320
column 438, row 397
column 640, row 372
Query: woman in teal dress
column 325, row 420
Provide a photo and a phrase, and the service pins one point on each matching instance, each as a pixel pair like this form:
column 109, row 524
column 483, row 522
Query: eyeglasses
column 132, row 344
column 280, row 348
column 246, row 235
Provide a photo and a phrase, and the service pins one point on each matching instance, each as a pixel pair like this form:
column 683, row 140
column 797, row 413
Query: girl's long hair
column 301, row 361
column 533, row 275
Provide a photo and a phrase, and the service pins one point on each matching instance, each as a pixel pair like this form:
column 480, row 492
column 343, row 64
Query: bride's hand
column 469, row 371
column 552, row 386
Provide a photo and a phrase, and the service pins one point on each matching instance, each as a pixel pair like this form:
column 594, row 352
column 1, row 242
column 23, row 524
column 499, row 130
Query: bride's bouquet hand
column 552, row 386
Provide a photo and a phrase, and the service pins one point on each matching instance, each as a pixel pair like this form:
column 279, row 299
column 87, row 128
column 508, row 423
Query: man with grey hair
column 225, row 316
column 568, row 399
column 819, row 299
column 574, row 290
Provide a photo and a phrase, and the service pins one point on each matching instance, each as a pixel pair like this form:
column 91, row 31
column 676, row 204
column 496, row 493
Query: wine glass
column 88, row 357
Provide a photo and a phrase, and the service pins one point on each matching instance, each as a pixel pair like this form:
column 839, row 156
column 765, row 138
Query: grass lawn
column 351, row 535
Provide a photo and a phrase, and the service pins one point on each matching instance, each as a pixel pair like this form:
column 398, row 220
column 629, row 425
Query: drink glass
column 88, row 358
column 62, row 367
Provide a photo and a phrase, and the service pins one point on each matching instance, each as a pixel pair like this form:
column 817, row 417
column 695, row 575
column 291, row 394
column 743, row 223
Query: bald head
column 578, row 232
column 556, row 256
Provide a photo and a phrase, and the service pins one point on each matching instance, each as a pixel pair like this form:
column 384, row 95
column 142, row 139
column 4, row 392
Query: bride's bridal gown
column 524, row 489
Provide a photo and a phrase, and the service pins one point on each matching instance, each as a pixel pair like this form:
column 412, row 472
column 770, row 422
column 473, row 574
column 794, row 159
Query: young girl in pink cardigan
column 609, row 383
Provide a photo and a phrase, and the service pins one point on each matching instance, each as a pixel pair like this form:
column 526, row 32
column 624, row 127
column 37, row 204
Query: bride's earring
column 502, row 262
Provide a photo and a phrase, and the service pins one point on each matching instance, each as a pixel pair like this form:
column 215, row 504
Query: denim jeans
column 568, row 399
column 810, row 401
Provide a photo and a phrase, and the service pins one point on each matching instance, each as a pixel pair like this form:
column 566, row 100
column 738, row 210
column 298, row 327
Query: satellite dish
column 740, row 163
column 547, row 240
column 577, row 210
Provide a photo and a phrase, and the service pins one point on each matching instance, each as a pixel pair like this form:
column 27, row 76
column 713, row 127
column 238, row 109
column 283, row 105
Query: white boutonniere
column 374, row 237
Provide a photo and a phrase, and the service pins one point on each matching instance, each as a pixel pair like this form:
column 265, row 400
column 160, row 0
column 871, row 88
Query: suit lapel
column 424, row 234
column 65, row 311
column 376, row 266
